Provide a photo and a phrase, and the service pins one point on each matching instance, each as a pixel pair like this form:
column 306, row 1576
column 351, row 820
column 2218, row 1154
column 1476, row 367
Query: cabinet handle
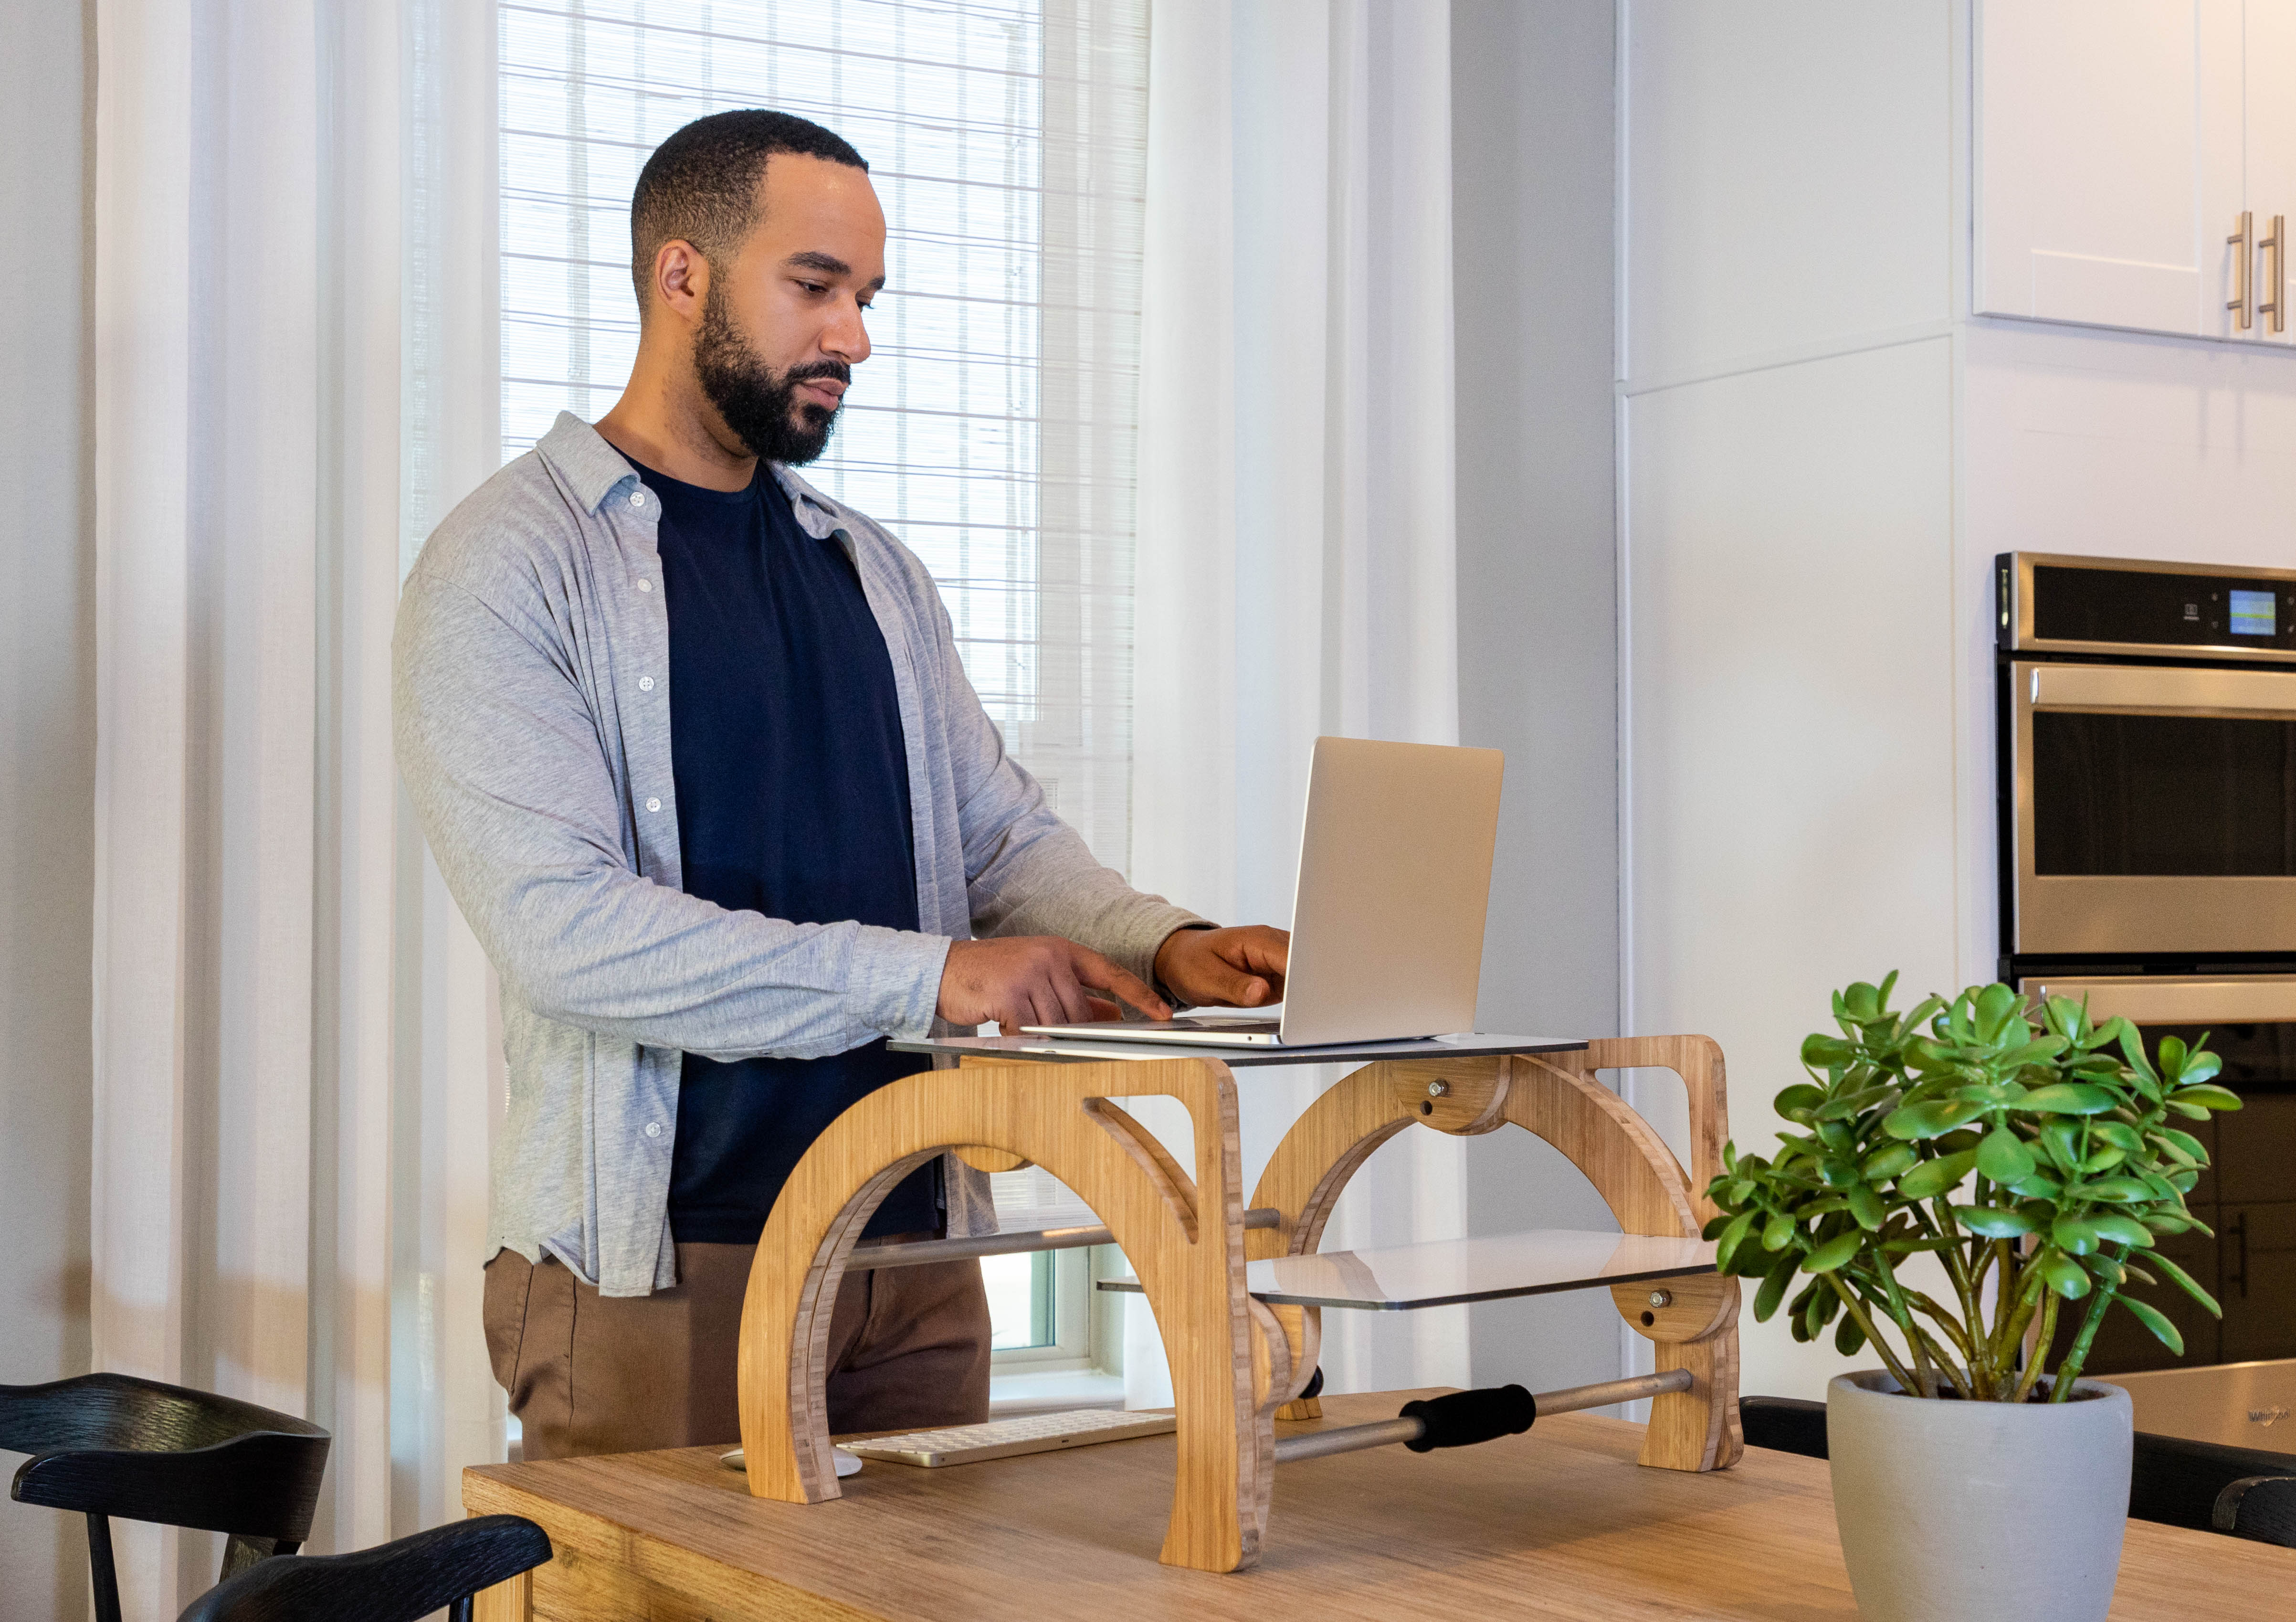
column 2275, row 302
column 2243, row 230
column 2240, row 1240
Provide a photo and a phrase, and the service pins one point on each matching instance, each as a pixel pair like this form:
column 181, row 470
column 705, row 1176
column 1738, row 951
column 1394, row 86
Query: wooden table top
column 1559, row 1522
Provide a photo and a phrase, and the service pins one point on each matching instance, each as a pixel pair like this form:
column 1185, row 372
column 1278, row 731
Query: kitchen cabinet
column 2256, row 1246
column 2269, row 151
column 2116, row 143
column 2253, row 1148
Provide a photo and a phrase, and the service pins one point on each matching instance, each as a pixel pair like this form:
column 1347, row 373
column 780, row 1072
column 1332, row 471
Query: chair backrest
column 2178, row 1482
column 396, row 1581
column 116, row 1446
column 1786, row 1423
column 2259, row 1507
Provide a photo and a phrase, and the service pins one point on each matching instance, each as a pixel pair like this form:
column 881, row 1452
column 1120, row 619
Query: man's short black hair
column 700, row 185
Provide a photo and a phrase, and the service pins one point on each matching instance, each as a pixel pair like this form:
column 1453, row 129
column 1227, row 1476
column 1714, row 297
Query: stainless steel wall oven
column 2146, row 741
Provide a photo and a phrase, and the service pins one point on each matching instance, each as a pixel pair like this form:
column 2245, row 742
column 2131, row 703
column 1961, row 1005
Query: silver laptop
column 1387, row 920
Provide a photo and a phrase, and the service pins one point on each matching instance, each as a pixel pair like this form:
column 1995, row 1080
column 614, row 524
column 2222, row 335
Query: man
column 696, row 755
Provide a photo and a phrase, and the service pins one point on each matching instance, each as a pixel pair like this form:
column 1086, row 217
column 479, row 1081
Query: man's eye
column 814, row 287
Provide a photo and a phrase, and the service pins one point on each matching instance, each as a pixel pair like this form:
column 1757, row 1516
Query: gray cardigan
column 531, row 700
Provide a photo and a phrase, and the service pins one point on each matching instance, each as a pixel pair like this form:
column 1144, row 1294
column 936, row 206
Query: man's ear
column 681, row 280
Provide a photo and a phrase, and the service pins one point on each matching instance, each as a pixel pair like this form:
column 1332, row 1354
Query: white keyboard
column 1028, row 1433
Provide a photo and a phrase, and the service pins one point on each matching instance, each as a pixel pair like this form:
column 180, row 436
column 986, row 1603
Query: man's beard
column 758, row 404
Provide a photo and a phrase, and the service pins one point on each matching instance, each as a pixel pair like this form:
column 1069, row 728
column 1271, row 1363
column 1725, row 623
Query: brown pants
column 909, row 1350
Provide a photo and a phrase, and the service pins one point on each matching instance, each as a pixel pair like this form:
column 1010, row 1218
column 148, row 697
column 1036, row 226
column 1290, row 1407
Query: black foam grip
column 1467, row 1417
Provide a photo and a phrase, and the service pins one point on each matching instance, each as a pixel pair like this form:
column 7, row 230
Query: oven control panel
column 2123, row 606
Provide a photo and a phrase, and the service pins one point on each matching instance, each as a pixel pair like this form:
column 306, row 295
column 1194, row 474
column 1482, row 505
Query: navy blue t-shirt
column 793, row 801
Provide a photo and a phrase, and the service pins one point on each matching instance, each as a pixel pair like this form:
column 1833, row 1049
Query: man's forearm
column 1033, row 873
column 727, row 986
column 1092, row 906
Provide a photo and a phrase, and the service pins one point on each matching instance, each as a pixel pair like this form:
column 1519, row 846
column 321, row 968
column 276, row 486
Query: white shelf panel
column 1444, row 1272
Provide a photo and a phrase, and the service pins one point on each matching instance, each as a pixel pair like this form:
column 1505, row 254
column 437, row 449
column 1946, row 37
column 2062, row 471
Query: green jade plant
column 2033, row 1164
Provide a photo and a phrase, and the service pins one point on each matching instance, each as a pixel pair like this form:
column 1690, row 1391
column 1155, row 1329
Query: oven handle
column 2110, row 690
column 2175, row 1000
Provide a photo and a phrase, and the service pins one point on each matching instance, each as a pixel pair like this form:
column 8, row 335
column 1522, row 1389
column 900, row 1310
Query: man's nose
column 846, row 337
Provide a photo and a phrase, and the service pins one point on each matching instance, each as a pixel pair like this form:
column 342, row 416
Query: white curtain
column 1295, row 565
column 291, row 1076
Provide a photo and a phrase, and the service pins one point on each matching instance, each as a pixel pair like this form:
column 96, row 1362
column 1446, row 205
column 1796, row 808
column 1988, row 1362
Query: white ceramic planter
column 1954, row 1511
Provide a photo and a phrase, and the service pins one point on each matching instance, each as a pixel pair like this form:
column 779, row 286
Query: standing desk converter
column 1237, row 1361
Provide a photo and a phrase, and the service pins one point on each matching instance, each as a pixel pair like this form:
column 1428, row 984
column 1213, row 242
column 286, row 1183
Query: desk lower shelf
column 1446, row 1272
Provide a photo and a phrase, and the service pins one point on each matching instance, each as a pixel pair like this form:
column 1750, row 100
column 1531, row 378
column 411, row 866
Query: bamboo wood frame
column 1235, row 1362
column 1554, row 1097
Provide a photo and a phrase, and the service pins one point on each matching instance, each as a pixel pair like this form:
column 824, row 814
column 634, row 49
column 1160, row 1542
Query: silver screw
column 1436, row 1089
column 1659, row 1298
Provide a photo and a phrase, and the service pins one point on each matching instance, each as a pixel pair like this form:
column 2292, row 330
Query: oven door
column 2248, row 1194
column 2153, row 809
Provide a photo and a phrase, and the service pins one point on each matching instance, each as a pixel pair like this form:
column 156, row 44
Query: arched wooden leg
column 1698, row 1061
column 1695, row 1326
column 1557, row 1098
column 1325, row 1148
column 1303, row 1328
column 1183, row 1235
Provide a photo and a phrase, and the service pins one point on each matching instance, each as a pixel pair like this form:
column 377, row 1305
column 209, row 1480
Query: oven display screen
column 2251, row 613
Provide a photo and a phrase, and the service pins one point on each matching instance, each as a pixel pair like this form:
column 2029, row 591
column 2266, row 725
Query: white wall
column 1786, row 180
column 1791, row 722
column 1793, row 658
column 1532, row 167
column 46, row 759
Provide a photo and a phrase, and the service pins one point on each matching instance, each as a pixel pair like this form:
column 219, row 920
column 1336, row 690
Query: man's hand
column 1230, row 968
column 1038, row 979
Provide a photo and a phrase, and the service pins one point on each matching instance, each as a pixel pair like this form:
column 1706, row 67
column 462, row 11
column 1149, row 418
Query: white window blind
column 993, row 427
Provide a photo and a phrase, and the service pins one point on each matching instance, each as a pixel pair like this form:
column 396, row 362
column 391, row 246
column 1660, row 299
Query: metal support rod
column 1346, row 1439
column 916, row 1253
column 1602, row 1393
column 1349, row 1439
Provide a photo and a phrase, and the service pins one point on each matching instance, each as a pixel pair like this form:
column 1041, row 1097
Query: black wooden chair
column 111, row 1445
column 2261, row 1507
column 1786, row 1423
column 397, row 1582
column 2205, row 1485
column 2184, row 1484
